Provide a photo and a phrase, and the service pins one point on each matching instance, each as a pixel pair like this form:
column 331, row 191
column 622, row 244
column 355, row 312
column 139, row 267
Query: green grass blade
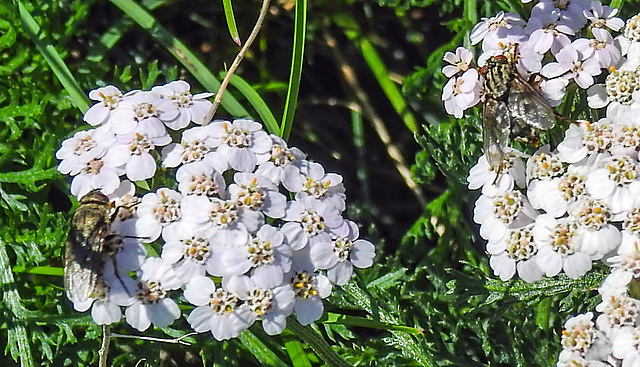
column 40, row 270
column 297, row 59
column 297, row 354
column 187, row 58
column 257, row 102
column 259, row 350
column 334, row 318
column 231, row 21
column 109, row 38
column 54, row 60
column 379, row 70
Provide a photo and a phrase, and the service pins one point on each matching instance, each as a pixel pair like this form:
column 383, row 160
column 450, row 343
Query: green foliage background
column 369, row 106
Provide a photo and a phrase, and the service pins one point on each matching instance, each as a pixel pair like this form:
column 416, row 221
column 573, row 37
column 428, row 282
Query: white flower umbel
column 281, row 157
column 108, row 99
column 271, row 304
column 311, row 220
column 190, row 107
column 218, row 310
column 312, row 181
column 197, row 144
column 343, row 253
column 152, row 306
column 159, row 212
column 557, row 250
column 242, row 142
column 266, row 257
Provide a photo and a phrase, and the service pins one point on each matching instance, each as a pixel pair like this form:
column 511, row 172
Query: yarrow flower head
column 234, row 226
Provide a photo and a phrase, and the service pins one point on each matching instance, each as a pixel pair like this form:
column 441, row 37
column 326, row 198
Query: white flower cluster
column 559, row 210
column 231, row 239
column 551, row 29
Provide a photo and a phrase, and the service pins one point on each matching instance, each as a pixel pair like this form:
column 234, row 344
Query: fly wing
column 528, row 107
column 496, row 125
column 84, row 261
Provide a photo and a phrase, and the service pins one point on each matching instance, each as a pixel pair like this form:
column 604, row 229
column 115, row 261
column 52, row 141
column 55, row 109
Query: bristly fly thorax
column 513, row 108
column 88, row 246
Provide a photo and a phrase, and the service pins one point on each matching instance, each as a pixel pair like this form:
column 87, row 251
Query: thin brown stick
column 350, row 78
column 103, row 353
column 237, row 61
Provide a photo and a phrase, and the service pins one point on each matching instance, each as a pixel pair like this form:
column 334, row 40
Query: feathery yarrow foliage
column 561, row 209
column 249, row 229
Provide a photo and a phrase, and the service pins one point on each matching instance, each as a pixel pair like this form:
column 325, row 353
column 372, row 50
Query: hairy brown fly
column 513, row 108
column 87, row 246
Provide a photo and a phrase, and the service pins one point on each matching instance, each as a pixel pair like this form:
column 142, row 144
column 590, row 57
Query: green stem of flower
column 316, row 342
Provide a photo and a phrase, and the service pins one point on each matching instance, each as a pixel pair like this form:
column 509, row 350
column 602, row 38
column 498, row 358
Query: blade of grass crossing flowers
column 187, row 58
column 266, row 116
column 231, row 21
column 297, row 59
column 54, row 60
column 259, row 350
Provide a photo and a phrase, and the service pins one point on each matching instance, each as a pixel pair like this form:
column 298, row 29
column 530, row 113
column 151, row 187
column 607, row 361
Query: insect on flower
column 513, row 108
column 89, row 244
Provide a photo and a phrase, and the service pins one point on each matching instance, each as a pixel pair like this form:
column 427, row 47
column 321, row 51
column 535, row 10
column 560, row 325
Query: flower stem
column 104, row 348
column 317, row 343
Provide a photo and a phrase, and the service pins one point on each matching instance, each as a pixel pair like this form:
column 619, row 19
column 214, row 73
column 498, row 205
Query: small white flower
column 108, row 99
column 257, row 193
column 197, row 144
column 571, row 66
column 242, row 142
column 218, row 310
column 152, row 306
column 557, row 249
column 281, row 157
column 596, row 235
column 616, row 182
column 546, row 32
column 515, row 252
column 84, row 146
column 494, row 182
column 310, row 288
column 98, row 173
column 586, row 138
column 618, row 311
column 271, row 304
column 624, row 345
column 603, row 16
column 460, row 62
column 199, row 178
column 311, row 220
column 223, row 220
column 461, row 93
column 502, row 24
column 265, row 255
column 141, row 108
column 341, row 254
column 499, row 213
column 135, row 148
column 312, row 181
column 570, row 13
column 189, row 252
column 190, row 107
column 579, row 333
column 600, row 48
column 159, row 212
